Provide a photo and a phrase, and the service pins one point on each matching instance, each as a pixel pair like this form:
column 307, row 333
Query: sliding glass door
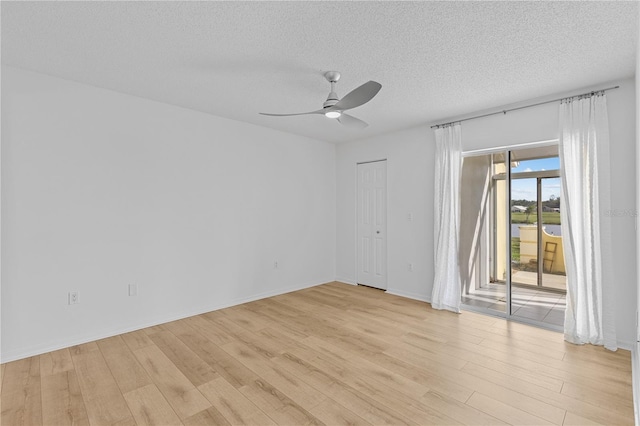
column 514, row 229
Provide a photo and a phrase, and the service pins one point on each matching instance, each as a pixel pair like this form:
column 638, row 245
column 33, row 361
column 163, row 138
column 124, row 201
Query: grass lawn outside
column 548, row 218
column 515, row 249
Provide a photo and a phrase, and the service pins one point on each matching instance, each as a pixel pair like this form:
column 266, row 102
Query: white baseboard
column 410, row 295
column 635, row 375
column 115, row 330
column 346, row 280
column 627, row 346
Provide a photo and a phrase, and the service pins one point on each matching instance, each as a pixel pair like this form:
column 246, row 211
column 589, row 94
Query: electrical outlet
column 410, row 217
column 275, row 265
column 410, row 267
column 133, row 289
column 73, row 297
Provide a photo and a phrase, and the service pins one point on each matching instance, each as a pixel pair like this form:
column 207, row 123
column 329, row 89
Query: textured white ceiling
column 234, row 59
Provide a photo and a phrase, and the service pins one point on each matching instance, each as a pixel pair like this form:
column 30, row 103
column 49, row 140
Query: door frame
column 355, row 236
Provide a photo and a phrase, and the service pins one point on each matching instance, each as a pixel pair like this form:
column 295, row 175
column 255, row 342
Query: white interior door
column 372, row 224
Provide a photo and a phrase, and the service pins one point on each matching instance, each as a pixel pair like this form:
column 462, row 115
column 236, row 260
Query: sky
column 525, row 189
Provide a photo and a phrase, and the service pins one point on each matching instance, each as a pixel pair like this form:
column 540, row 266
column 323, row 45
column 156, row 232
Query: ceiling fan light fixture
column 334, row 106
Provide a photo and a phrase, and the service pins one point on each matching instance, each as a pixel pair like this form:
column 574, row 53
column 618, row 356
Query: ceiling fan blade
column 351, row 121
column 320, row 111
column 358, row 96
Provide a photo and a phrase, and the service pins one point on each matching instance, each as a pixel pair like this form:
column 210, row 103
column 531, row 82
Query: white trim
column 635, row 380
column 346, row 281
column 498, row 149
column 626, row 345
column 410, row 295
column 122, row 328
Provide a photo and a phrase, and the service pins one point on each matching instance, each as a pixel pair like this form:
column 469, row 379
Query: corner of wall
column 635, row 380
column 635, row 353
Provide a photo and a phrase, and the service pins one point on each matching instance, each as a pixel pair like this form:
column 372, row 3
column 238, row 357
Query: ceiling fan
column 334, row 107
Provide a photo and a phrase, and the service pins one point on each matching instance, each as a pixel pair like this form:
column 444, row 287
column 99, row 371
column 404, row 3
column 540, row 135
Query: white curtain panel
column 446, row 283
column 586, row 229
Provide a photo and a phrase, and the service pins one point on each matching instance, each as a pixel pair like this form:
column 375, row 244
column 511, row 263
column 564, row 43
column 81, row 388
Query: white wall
column 635, row 354
column 638, row 189
column 410, row 154
column 101, row 189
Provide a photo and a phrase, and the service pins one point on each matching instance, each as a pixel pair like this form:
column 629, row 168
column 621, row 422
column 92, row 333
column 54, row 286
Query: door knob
column 377, row 232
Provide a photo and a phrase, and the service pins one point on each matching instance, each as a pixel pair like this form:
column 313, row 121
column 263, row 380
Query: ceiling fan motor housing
column 332, row 99
column 334, row 107
column 332, row 77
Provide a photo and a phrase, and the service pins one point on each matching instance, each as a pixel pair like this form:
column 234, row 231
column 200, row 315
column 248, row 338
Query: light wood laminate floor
column 332, row 354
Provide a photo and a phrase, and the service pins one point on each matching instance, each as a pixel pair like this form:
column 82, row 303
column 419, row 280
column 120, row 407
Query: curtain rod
column 504, row 111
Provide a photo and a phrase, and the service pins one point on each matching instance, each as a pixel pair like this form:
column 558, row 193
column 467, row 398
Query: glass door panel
column 510, row 221
column 480, row 290
column 499, row 267
column 524, row 243
column 553, row 269
column 553, row 276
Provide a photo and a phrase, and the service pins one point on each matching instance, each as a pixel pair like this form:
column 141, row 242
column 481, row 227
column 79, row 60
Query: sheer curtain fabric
column 584, row 157
column 446, row 283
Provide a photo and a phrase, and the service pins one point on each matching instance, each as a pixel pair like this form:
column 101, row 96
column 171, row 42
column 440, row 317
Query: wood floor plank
column 459, row 411
column 183, row 397
column 277, row 309
column 572, row 419
column 536, row 399
column 423, row 357
column 544, row 366
column 224, row 364
column 149, row 407
column 361, row 404
column 301, row 302
column 277, row 405
column 594, row 396
column 365, row 368
column 410, row 407
column 233, row 405
column 356, row 402
column 581, row 373
column 424, row 376
column 208, row 417
column 136, row 339
column 491, row 384
column 188, row 362
column 55, row 362
column 177, row 327
column 154, row 329
column 102, row 397
column 83, row 348
column 503, row 411
column 209, row 329
column 123, row 364
column 332, row 412
column 21, row 401
column 247, row 319
column 505, row 370
column 294, row 388
column 536, row 351
column 62, row 402
column 342, row 337
column 332, row 354
column 286, row 341
column 266, row 347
